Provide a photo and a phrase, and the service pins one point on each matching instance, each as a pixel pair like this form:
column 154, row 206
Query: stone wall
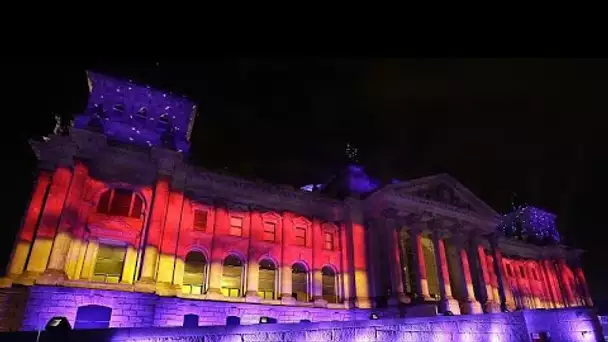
column 12, row 306
column 604, row 324
column 133, row 309
column 504, row 327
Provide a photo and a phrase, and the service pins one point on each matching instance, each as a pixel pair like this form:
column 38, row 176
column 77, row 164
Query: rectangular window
column 534, row 275
column 109, row 263
column 236, row 226
column 329, row 241
column 269, row 231
column 300, row 236
column 522, row 271
column 200, row 220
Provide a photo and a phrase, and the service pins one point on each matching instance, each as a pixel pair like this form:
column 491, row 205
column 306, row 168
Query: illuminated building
column 121, row 225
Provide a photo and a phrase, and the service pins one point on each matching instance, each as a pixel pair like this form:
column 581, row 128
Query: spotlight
column 448, row 313
column 374, row 316
column 505, row 310
column 267, row 320
column 58, row 324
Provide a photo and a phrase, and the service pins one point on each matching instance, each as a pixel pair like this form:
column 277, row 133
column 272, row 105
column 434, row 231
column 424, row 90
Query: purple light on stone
column 533, row 222
column 359, row 182
column 118, row 107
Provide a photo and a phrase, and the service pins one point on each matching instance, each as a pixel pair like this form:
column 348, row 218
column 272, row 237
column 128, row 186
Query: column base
column 491, row 307
column 167, row 289
column 215, row 294
column 51, row 277
column 399, row 299
column 449, row 304
column 288, row 300
column 363, row 303
column 252, row 297
column 147, row 285
column 319, row 302
column 349, row 303
column 6, row 282
column 471, row 307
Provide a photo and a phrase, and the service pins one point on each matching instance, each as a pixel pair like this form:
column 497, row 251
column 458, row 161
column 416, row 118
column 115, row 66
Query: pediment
column 443, row 190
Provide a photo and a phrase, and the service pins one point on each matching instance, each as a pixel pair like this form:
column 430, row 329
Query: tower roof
column 138, row 114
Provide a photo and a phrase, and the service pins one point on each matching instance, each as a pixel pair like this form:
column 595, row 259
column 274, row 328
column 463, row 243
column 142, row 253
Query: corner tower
column 137, row 114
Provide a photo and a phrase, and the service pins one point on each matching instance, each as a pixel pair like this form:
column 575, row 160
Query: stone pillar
column 317, row 263
column 253, row 280
column 286, row 263
column 472, row 306
column 169, row 242
column 580, row 276
column 503, row 286
column 56, row 269
column 45, row 236
column 27, row 231
column 398, row 293
column 563, row 277
column 554, row 287
column 479, row 253
column 217, row 256
column 420, row 265
column 89, row 260
column 348, row 272
column 355, row 221
column 128, row 270
column 548, row 293
column 447, row 302
column 147, row 281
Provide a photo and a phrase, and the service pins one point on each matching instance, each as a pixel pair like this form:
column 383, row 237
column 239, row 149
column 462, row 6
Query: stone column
column 396, row 266
column 217, row 255
column 447, row 302
column 286, row 262
column 472, row 306
column 27, row 231
column 580, row 276
column 256, row 228
column 355, row 223
column 483, row 277
column 47, row 229
column 548, row 293
column 562, row 269
column 554, row 286
column 55, row 272
column 423, row 286
column 503, row 286
column 147, row 281
column 169, row 242
column 348, row 272
column 317, row 263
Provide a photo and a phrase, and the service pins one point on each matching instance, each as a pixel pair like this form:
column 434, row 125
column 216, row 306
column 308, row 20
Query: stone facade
column 256, row 248
column 557, row 324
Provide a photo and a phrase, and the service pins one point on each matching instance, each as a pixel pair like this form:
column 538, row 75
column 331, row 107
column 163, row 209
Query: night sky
column 531, row 127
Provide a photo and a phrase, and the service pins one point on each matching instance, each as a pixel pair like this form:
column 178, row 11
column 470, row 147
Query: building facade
column 118, row 221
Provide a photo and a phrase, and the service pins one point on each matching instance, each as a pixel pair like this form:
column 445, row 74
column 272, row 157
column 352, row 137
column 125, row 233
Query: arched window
column 194, row 273
column 299, row 282
column 232, row 276
column 121, row 202
column 267, row 278
column 93, row 317
column 329, row 284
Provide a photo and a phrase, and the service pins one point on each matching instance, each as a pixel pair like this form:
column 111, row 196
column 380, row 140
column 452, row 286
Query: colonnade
column 475, row 268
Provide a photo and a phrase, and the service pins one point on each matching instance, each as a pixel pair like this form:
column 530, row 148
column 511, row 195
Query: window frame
column 232, row 227
column 195, row 227
column 297, row 237
column 331, row 241
column 266, row 231
column 108, row 209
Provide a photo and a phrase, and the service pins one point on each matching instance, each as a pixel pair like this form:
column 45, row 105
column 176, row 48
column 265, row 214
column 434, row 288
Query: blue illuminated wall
column 137, row 114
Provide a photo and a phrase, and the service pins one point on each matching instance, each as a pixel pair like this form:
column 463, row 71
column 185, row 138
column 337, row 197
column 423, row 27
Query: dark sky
column 530, row 126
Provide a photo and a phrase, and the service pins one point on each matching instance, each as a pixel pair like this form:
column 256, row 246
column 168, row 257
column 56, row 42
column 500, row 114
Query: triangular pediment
column 444, row 190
